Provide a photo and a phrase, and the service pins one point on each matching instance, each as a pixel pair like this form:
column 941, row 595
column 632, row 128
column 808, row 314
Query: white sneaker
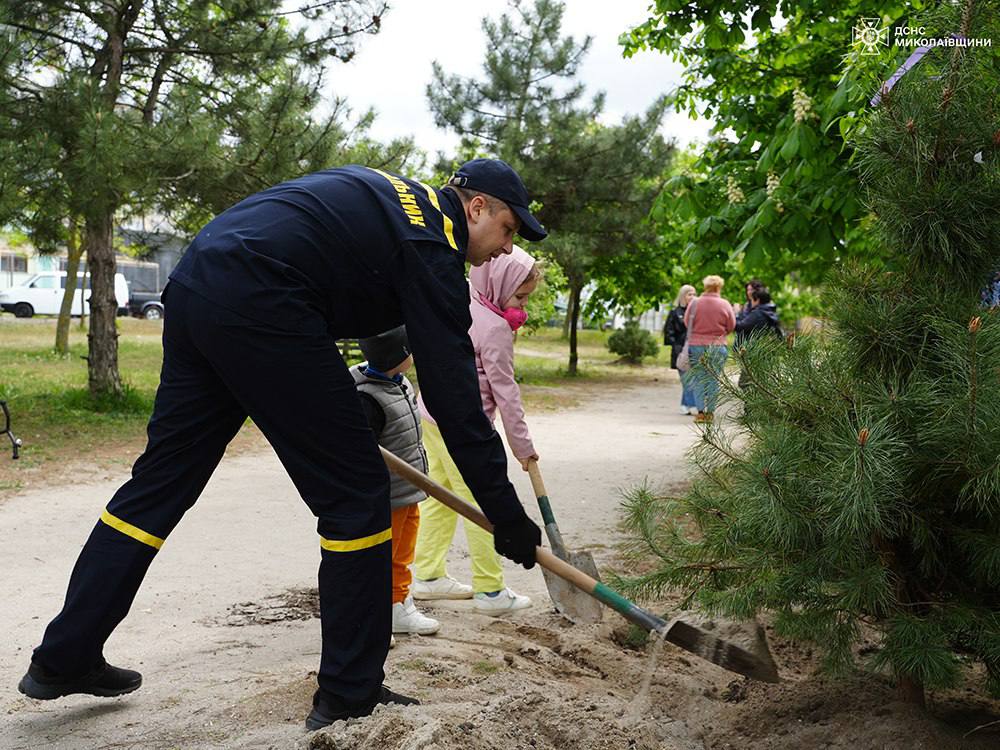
column 444, row 587
column 505, row 601
column 406, row 618
column 685, row 410
column 392, row 641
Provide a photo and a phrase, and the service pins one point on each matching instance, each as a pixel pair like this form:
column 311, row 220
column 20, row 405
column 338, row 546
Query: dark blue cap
column 386, row 350
column 498, row 178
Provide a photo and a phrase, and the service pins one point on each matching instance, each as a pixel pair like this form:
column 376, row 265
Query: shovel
column 726, row 654
column 572, row 603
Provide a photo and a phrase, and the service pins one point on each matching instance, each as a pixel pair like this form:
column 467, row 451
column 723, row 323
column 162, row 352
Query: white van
column 42, row 294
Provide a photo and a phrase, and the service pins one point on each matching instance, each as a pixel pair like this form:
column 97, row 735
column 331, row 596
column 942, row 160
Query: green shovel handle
column 603, row 593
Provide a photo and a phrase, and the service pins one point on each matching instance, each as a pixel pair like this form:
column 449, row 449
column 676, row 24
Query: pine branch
column 974, row 326
column 741, row 355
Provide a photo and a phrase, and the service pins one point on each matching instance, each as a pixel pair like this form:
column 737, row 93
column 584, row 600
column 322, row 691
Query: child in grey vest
column 391, row 407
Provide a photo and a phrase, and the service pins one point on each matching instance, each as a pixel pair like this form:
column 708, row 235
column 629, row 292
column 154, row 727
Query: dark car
column 146, row 305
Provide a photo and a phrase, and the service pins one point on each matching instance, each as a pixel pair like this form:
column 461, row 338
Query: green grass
column 53, row 413
column 592, row 349
column 51, row 408
column 541, row 366
column 485, row 667
column 416, row 665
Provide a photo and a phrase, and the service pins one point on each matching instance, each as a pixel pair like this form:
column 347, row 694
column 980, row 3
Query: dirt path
column 224, row 634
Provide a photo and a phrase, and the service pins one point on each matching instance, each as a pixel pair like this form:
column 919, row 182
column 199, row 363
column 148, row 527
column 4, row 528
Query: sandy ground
column 224, row 632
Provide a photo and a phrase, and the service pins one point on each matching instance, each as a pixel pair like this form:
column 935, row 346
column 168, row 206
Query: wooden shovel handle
column 544, row 558
column 536, row 479
column 401, row 468
column 548, row 517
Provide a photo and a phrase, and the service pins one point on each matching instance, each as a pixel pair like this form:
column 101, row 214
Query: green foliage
column 632, row 343
column 178, row 108
column 773, row 193
column 541, row 306
column 796, row 301
column 594, row 183
column 857, row 485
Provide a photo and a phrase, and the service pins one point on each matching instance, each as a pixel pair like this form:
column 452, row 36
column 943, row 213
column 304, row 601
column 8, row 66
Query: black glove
column 516, row 540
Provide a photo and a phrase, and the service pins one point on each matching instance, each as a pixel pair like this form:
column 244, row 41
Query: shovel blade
column 724, row 651
column 572, row 603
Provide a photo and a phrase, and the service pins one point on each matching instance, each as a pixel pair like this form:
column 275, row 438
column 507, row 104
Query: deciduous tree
column 134, row 97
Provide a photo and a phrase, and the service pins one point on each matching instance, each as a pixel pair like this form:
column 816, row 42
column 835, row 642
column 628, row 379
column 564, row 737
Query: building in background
column 147, row 270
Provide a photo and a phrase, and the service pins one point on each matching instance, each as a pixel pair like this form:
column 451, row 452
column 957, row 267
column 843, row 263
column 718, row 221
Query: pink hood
column 493, row 341
column 498, row 279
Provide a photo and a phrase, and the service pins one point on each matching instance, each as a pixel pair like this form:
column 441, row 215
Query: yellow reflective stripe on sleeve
column 449, row 227
column 352, row 545
column 129, row 530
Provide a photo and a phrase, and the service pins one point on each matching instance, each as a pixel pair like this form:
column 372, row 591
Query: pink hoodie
column 493, row 341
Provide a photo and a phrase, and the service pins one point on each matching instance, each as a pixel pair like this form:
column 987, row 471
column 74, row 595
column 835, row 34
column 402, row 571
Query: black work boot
column 104, row 680
column 328, row 708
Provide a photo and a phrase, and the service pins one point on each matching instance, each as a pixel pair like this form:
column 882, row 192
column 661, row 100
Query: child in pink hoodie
column 499, row 290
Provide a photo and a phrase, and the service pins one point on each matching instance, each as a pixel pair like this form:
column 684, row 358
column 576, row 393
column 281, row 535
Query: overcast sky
column 392, row 69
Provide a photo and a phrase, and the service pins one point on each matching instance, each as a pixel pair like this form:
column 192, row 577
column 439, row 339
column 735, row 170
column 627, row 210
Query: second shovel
column 571, row 602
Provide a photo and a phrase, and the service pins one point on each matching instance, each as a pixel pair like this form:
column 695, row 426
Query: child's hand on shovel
column 526, row 462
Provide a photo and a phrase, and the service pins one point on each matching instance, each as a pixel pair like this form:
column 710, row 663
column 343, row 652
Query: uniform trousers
column 219, row 368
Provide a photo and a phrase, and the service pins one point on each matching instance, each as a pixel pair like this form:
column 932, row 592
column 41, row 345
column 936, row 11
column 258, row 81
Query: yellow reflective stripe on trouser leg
column 129, row 530
column 352, row 545
column 449, row 227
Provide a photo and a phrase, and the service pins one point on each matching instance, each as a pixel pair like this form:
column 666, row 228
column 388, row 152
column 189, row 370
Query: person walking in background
column 990, row 295
column 498, row 293
column 714, row 320
column 743, row 310
column 675, row 334
column 760, row 321
column 762, row 316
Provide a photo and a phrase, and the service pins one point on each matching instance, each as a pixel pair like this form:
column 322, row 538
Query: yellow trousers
column 438, row 522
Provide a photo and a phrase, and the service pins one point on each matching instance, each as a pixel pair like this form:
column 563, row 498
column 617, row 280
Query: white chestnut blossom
column 802, row 105
column 773, row 183
column 733, row 191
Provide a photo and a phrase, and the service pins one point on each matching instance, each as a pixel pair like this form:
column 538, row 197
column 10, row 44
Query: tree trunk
column 908, row 689
column 74, row 251
column 911, row 691
column 84, row 294
column 575, row 291
column 569, row 313
column 104, row 379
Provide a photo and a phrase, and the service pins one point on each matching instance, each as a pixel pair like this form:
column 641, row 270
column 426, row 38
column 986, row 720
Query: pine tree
column 595, row 183
column 856, row 486
column 112, row 103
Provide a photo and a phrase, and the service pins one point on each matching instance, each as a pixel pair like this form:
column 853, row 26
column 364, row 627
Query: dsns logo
column 869, row 34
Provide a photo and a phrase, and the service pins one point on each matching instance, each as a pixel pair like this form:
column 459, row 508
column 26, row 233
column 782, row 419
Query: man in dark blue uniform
column 255, row 306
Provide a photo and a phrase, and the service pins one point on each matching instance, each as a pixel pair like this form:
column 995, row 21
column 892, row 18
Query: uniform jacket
column 392, row 412
column 493, row 341
column 713, row 320
column 352, row 252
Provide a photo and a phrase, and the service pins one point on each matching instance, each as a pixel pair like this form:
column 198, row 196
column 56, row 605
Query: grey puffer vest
column 401, row 434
